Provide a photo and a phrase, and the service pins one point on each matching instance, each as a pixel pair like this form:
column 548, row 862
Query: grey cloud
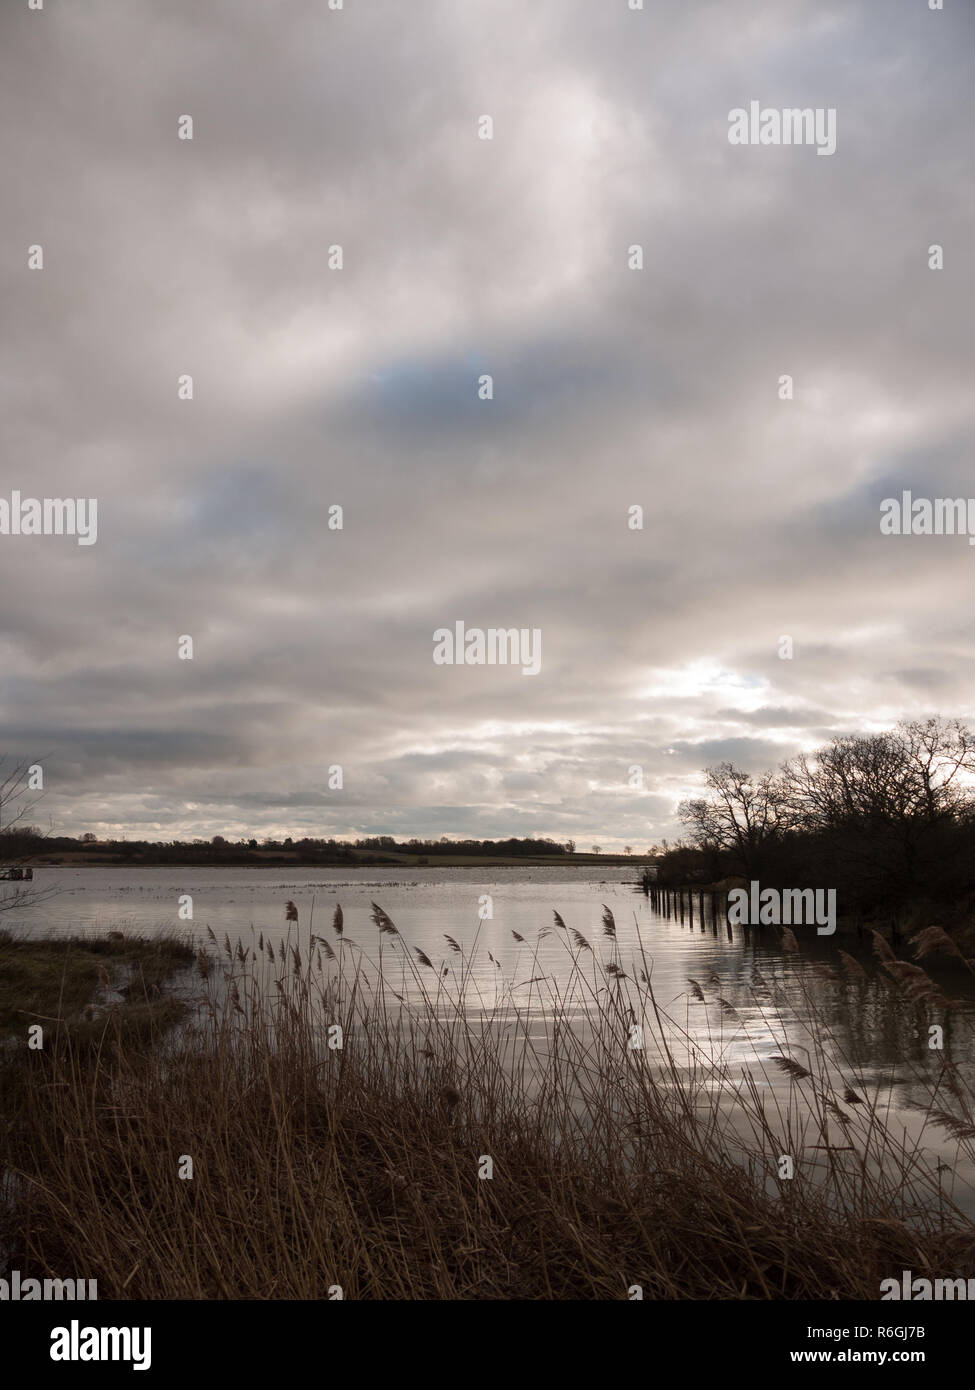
column 612, row 388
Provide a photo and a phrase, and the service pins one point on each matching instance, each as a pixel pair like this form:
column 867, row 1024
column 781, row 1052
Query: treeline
column 886, row 819
column 25, row 842
column 502, row 848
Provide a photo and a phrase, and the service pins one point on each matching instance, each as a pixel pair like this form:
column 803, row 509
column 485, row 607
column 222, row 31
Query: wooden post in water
column 690, row 907
column 680, row 901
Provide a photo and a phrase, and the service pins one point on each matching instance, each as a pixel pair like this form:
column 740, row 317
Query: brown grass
column 358, row 1166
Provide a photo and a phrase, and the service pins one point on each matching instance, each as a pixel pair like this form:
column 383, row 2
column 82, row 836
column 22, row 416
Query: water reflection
column 749, row 1001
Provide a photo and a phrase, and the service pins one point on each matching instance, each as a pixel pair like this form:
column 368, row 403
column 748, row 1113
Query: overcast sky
column 357, row 387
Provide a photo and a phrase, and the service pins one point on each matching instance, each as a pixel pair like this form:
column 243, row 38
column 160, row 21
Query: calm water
column 777, row 998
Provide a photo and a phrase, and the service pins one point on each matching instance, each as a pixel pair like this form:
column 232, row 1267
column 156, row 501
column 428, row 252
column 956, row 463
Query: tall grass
column 359, row 1167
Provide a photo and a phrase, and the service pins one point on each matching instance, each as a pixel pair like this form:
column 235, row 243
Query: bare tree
column 17, row 801
column 741, row 815
column 887, row 803
column 911, row 774
column 939, row 752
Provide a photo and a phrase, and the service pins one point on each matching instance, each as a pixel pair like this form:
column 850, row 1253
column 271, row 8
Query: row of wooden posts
column 676, row 902
column 712, row 907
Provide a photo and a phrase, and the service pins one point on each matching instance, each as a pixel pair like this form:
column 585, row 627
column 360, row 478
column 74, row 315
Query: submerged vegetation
column 360, row 1120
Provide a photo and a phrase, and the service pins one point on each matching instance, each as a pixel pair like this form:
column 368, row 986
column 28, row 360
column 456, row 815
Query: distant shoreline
column 256, row 860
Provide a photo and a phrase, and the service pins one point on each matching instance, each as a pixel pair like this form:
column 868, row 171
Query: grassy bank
column 64, row 983
column 363, row 1166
